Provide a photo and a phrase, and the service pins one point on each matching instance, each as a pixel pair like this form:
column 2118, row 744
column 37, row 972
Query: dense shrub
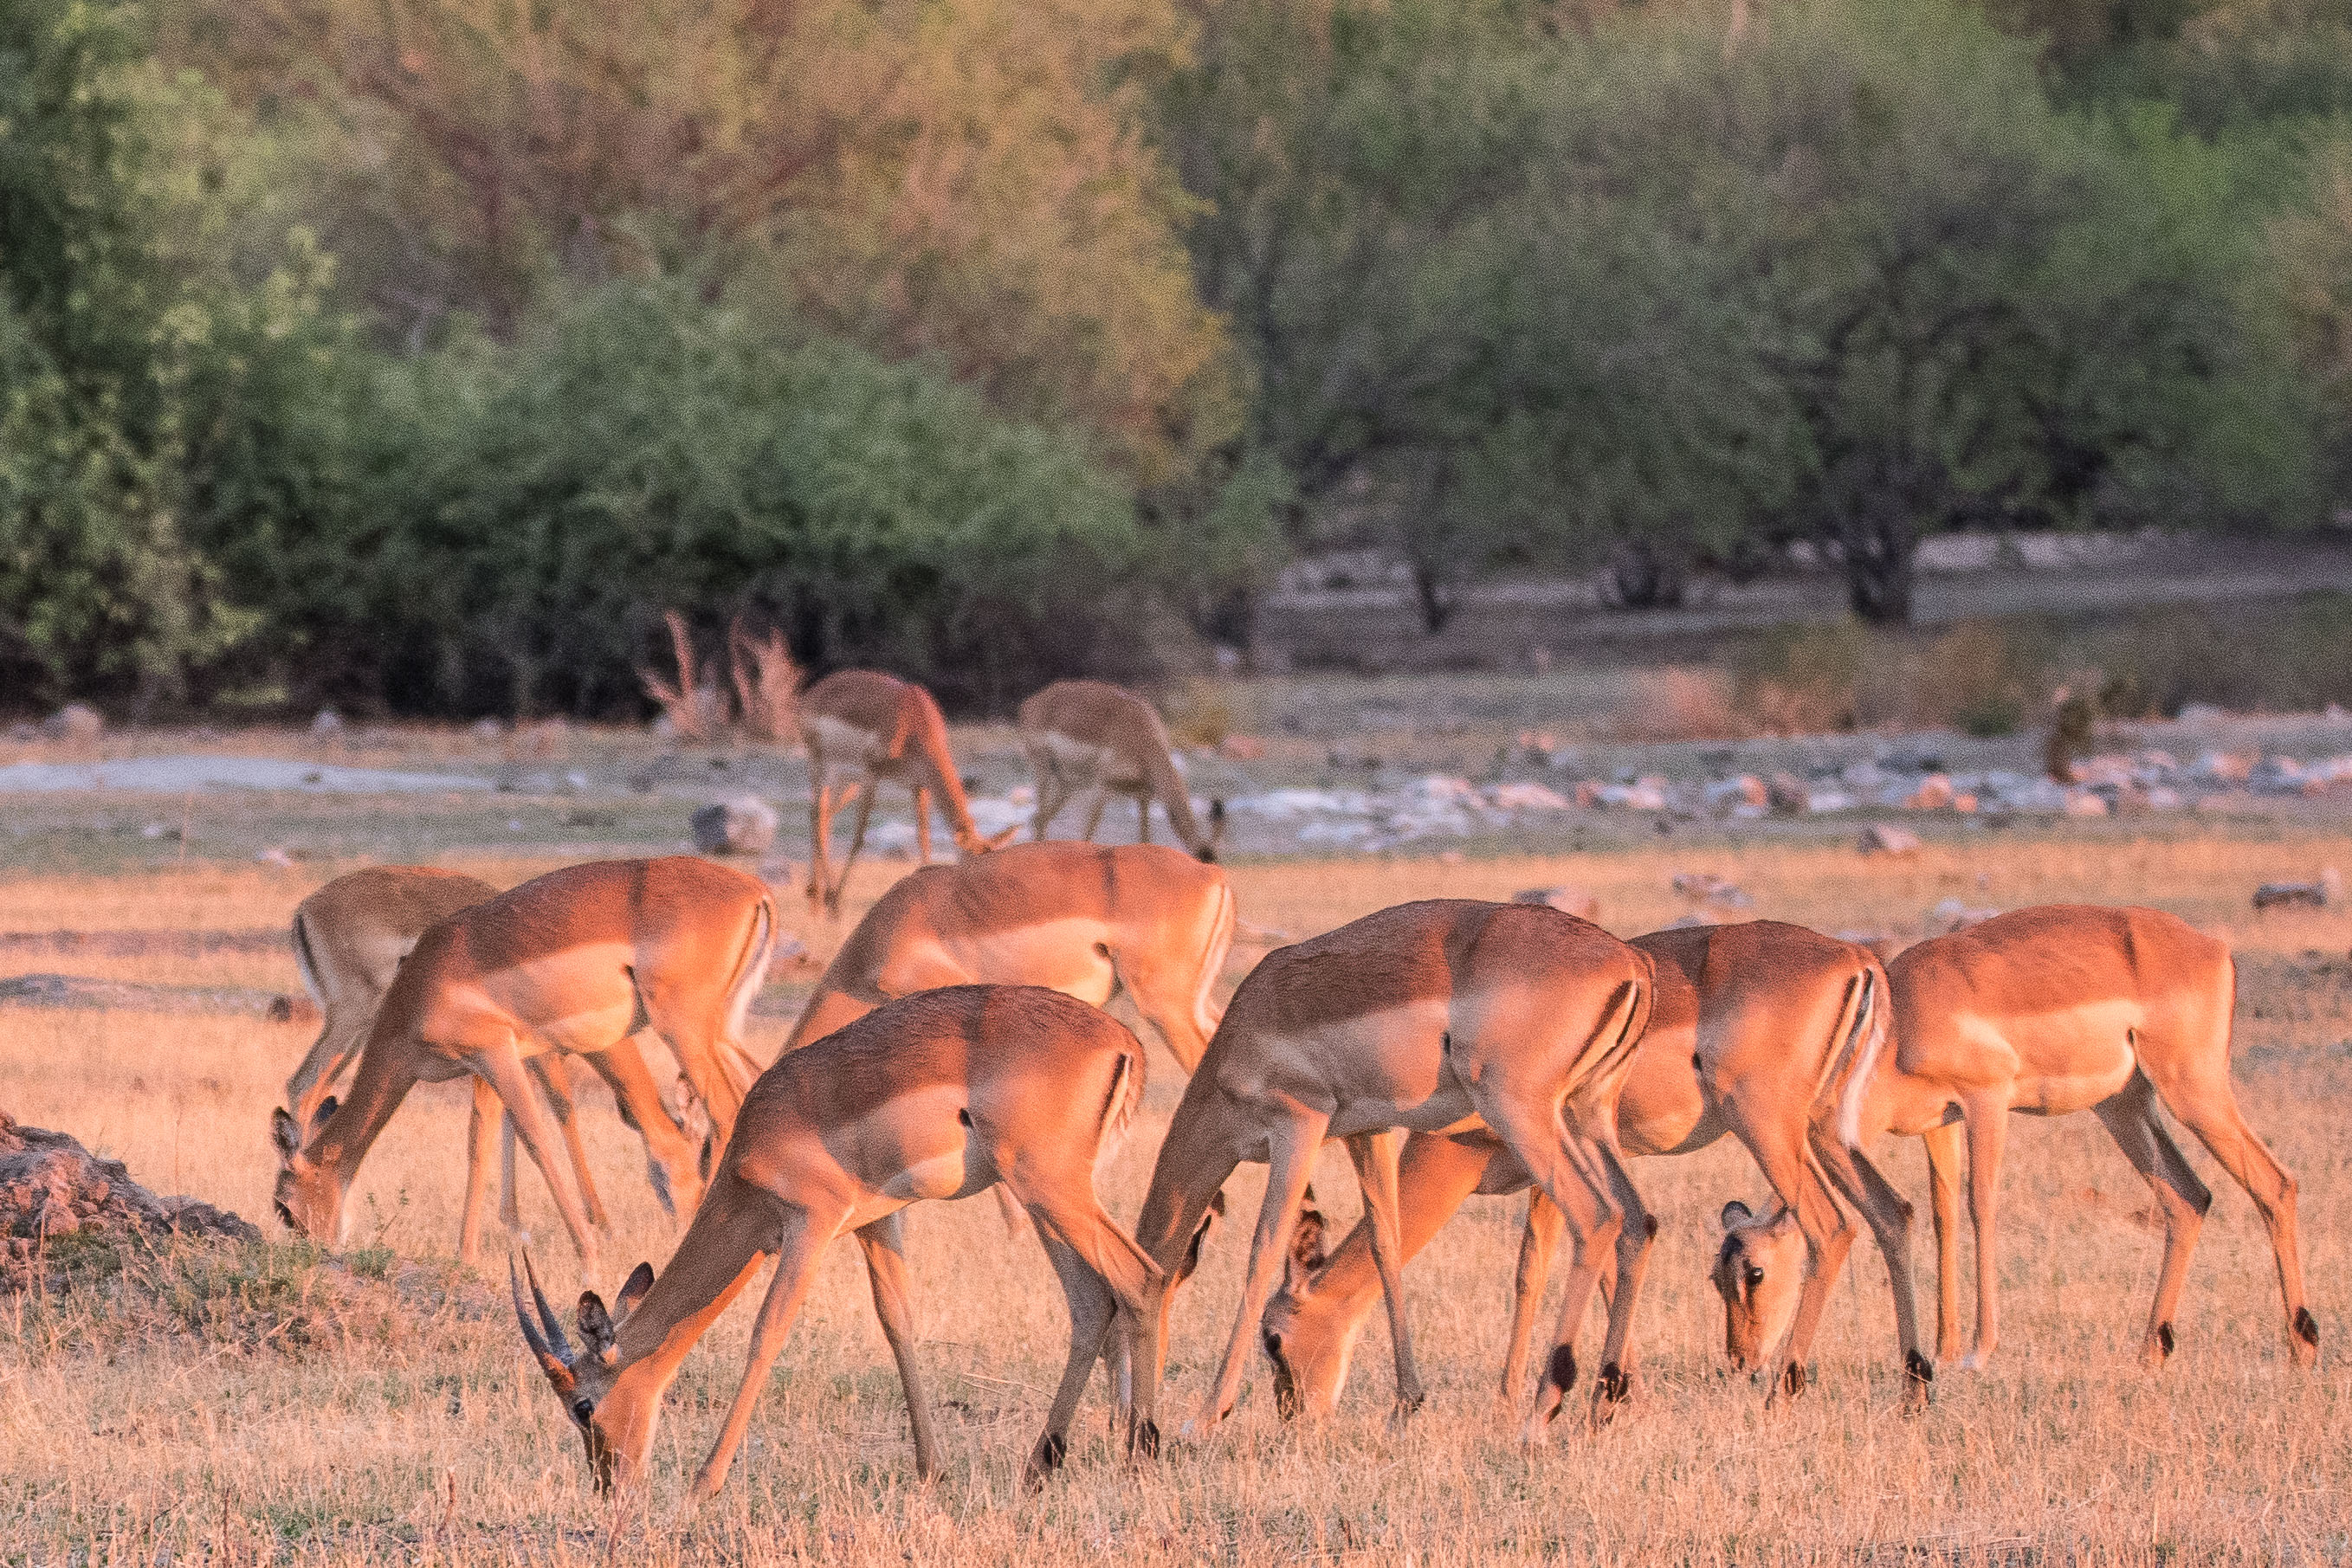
column 517, row 519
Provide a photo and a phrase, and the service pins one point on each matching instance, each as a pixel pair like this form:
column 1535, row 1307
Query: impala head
column 583, row 1376
column 310, row 1196
column 1761, row 1270
column 1208, row 852
column 1308, row 1335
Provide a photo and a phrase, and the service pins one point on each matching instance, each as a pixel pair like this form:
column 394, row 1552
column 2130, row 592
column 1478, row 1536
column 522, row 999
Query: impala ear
column 596, row 1324
column 1736, row 1213
column 1307, row 1254
column 633, row 1289
column 284, row 1134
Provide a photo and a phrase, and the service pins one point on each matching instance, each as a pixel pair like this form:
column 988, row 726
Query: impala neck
column 1195, row 1158
column 716, row 1259
column 932, row 739
column 1169, row 785
column 387, row 1072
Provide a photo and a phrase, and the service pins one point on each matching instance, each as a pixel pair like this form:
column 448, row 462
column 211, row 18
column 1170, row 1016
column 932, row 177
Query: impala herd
column 957, row 1042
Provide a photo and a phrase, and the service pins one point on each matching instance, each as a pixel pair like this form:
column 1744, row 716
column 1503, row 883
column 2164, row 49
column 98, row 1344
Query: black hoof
column 1561, row 1373
column 1613, row 1386
column 2164, row 1338
column 1146, row 1440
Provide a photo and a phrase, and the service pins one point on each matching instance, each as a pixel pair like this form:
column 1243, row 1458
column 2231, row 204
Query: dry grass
column 441, row 1445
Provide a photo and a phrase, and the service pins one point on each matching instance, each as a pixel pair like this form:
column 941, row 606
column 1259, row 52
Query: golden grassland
column 430, row 1437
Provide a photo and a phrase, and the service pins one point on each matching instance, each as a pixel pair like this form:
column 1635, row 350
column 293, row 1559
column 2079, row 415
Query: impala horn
column 553, row 1351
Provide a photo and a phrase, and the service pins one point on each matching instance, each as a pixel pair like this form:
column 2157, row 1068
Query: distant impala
column 1089, row 737
column 867, row 726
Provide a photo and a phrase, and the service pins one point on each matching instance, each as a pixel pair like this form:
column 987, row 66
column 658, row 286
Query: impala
column 1416, row 1019
column 2045, row 1012
column 1093, row 738
column 1087, row 922
column 1762, row 1030
column 349, row 939
column 865, row 727
column 935, row 1096
column 575, row 961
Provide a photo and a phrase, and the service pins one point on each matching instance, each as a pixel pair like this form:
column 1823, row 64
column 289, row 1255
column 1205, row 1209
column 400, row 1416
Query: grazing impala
column 1090, row 738
column 865, row 726
column 1074, row 918
column 577, row 961
column 1416, row 1019
column 349, row 939
column 935, row 1096
column 1760, row 1030
column 2044, row 1012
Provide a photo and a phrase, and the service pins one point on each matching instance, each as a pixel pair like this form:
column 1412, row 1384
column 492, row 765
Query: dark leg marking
column 1561, row 1373
column 2164, row 1338
column 2307, row 1327
column 1052, row 1449
column 1918, row 1369
column 1613, row 1386
column 1651, row 1221
column 1146, row 1440
column 1794, row 1378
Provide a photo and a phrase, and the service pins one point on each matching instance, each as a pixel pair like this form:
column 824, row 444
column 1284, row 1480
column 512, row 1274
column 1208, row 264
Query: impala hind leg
column 1781, row 1152
column 885, row 1245
column 1291, row 1161
column 922, row 827
column 1888, row 1215
column 1096, row 798
column 2130, row 1116
column 798, row 1248
column 1374, row 1156
column 2202, row 1100
column 1537, row 1241
column 1581, row 1191
column 503, row 1066
column 822, row 807
column 1613, row 1385
column 1107, row 1280
column 865, row 795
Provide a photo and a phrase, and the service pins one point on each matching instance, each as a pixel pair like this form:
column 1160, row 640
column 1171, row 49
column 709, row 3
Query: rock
column 2084, row 804
column 1698, row 887
column 50, row 1184
column 1573, row 901
column 76, row 722
column 745, row 825
column 2201, row 713
column 1241, row 748
column 1879, row 839
column 1695, row 918
column 2323, row 891
column 326, row 725
column 1950, row 914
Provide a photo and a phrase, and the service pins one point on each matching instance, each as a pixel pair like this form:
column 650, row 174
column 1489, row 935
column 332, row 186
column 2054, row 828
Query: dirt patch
column 50, row 1186
column 92, row 1259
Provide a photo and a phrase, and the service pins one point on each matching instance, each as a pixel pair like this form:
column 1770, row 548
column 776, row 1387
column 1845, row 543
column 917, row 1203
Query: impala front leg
column 1988, row 1124
column 796, row 1258
column 1290, row 1164
column 1374, row 1156
column 1945, row 1146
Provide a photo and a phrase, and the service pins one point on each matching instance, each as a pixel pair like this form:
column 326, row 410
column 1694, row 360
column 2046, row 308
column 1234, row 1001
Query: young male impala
column 2044, row 1012
column 349, row 939
column 1074, row 918
column 1761, row 1031
column 1093, row 738
column 865, row 726
column 933, row 1096
column 578, row 961
column 1416, row 1019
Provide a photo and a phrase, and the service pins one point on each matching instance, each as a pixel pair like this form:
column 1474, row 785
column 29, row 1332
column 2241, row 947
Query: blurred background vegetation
column 416, row 355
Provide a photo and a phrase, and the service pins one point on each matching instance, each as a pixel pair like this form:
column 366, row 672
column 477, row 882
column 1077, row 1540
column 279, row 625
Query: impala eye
column 1754, row 1276
column 582, row 1409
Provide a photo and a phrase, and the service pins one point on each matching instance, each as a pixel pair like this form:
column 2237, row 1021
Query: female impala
column 936, row 1096
column 2044, row 1012
column 578, row 960
column 1076, row 919
column 349, row 939
column 1760, row 1030
column 1089, row 737
column 1418, row 1018
column 865, row 727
